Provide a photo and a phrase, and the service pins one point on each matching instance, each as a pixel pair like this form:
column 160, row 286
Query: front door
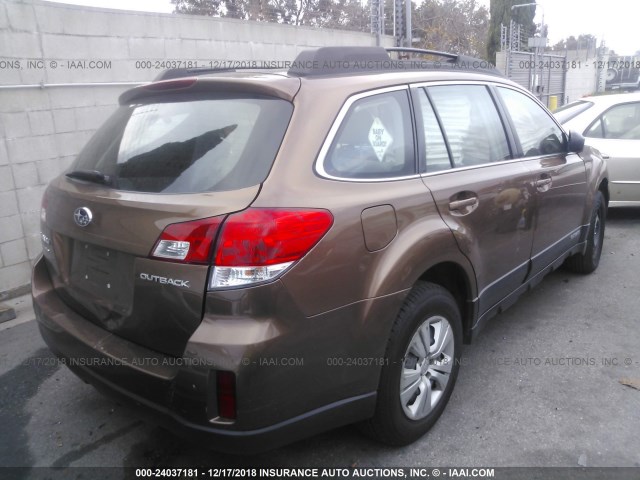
column 559, row 178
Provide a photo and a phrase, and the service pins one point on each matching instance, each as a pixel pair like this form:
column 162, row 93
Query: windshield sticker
column 379, row 138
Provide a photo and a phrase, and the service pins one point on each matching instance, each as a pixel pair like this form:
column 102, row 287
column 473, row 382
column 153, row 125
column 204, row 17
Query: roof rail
column 336, row 60
column 423, row 51
column 454, row 60
column 350, row 60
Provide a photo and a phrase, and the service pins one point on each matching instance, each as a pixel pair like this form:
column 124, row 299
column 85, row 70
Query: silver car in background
column 611, row 123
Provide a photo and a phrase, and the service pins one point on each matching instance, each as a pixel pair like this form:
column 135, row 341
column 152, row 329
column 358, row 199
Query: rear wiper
column 90, row 176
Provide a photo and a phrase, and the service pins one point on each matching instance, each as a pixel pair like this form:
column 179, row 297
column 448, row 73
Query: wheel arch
column 604, row 188
column 452, row 277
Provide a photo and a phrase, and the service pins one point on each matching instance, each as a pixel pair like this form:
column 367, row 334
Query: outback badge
column 82, row 216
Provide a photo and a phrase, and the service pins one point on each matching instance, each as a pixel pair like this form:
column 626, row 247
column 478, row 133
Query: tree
column 345, row 14
column 583, row 42
column 451, row 25
column 198, row 7
column 501, row 14
column 458, row 26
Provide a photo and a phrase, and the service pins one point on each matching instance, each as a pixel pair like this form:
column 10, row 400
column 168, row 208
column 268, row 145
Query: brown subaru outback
column 258, row 256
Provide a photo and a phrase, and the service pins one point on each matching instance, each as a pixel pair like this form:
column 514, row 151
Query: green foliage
column 458, row 26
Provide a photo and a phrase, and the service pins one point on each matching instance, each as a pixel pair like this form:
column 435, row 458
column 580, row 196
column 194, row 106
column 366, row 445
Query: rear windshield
column 188, row 146
column 567, row 112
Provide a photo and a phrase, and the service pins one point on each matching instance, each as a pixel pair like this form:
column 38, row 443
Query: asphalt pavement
column 553, row 381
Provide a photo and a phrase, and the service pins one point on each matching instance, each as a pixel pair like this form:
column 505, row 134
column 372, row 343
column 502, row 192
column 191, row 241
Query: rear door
column 481, row 192
column 164, row 161
column 559, row 178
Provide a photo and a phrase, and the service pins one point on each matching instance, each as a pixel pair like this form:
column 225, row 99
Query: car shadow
column 623, row 213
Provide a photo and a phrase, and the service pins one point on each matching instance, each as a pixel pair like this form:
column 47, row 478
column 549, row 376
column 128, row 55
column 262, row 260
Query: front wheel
column 588, row 261
column 423, row 356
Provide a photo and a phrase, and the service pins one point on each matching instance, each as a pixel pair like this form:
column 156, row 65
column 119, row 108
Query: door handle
column 460, row 204
column 604, row 156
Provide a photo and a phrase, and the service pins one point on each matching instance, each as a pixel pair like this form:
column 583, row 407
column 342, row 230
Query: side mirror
column 575, row 142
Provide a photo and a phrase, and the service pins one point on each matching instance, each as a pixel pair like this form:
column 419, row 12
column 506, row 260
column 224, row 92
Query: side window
column 536, row 130
column 436, row 155
column 471, row 124
column 619, row 122
column 375, row 139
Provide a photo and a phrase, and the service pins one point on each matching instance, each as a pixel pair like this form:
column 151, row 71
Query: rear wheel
column 423, row 361
column 588, row 261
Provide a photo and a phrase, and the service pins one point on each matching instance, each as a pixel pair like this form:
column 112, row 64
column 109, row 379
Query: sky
column 614, row 21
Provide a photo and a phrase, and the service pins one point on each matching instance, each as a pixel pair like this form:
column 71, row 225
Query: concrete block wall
column 42, row 128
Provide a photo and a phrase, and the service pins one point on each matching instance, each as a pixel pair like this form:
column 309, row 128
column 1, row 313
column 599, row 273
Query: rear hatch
column 159, row 160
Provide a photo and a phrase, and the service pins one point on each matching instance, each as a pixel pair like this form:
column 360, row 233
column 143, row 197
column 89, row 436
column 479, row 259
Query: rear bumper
column 277, row 402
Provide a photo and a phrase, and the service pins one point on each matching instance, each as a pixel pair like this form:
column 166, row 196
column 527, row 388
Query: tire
column 588, row 261
column 404, row 415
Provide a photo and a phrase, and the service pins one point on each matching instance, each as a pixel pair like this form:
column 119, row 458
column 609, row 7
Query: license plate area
column 104, row 277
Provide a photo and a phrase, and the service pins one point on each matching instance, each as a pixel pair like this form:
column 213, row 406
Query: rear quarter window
column 375, row 139
column 192, row 145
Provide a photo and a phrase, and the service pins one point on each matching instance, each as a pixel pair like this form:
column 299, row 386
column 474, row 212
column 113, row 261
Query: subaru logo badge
column 82, row 216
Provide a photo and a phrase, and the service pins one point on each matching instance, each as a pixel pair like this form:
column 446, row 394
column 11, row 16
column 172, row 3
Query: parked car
column 611, row 123
column 256, row 257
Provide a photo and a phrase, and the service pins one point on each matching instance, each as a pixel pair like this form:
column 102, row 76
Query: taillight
column 255, row 245
column 226, row 389
column 258, row 244
column 188, row 242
